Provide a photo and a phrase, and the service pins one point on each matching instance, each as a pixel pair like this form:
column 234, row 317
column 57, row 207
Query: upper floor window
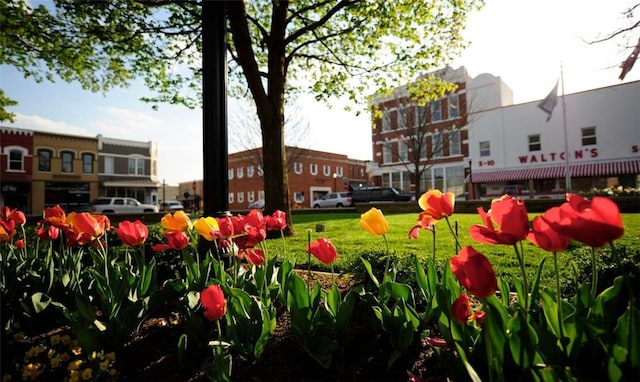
column 44, row 160
column 87, row 163
column 386, row 152
column 240, row 173
column 136, row 166
column 422, row 115
column 67, row 161
column 326, row 169
column 403, row 118
column 589, row 136
column 297, row 167
column 436, row 112
column 313, row 169
column 534, row 142
column 485, row 148
column 452, row 101
column 230, row 174
column 339, row 170
column 436, row 145
column 249, row 171
column 16, row 160
column 251, row 196
column 240, row 197
column 109, row 165
column 386, row 121
column 260, row 170
column 454, row 142
column 403, row 151
column 231, row 197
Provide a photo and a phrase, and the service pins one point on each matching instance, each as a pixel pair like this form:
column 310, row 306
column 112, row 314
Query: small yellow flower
column 65, row 339
column 113, row 372
column 76, row 350
column 87, row 374
column 31, row 371
column 104, row 365
column 374, row 222
column 179, row 221
column 51, row 353
column 74, row 376
column 65, row 357
column 206, row 226
column 55, row 362
column 111, row 357
column 55, row 339
column 18, row 336
column 74, row 365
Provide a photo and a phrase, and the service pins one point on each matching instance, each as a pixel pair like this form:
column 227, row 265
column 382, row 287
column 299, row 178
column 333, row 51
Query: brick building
column 16, row 163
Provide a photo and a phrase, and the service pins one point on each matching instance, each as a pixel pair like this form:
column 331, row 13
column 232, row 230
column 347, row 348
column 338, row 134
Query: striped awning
column 577, row 171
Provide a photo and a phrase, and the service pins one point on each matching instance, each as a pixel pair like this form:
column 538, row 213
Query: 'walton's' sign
column 553, row 156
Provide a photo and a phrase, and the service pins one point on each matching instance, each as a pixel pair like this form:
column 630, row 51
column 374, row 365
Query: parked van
column 380, row 194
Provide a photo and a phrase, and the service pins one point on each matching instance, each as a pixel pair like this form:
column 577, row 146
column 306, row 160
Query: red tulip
column 226, row 227
column 323, row 250
column 49, row 233
column 414, row 232
column 20, row 244
column 83, row 227
column 545, row 237
column 132, row 233
column 7, row 229
column 510, row 217
column 276, row 221
column 461, row 309
column 213, row 301
column 437, row 342
column 176, row 240
column 16, row 215
column 594, row 223
column 474, row 272
column 254, row 218
column 255, row 256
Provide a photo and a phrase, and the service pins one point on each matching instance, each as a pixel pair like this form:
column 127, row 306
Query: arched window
column 66, row 157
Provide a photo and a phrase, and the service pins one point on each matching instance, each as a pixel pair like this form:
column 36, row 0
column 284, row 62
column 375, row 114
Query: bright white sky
column 522, row 41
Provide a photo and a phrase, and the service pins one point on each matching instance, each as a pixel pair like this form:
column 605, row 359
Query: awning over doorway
column 577, row 170
column 131, row 184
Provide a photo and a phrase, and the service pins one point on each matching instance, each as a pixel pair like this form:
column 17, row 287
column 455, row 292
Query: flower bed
column 225, row 303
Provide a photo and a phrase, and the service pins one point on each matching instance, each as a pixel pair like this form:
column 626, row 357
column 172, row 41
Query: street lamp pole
column 164, row 191
column 473, row 189
column 335, row 176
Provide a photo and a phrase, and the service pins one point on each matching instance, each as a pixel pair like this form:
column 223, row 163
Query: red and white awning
column 577, row 171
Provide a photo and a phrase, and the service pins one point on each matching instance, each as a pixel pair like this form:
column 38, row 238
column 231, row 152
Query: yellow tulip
column 179, row 221
column 374, row 222
column 206, row 226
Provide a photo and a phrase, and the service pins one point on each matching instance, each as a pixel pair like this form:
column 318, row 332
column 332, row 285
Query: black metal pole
column 215, row 184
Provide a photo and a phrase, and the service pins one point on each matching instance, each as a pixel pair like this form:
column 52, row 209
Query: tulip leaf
column 522, row 340
column 40, row 301
column 332, row 301
column 550, row 309
column 463, row 356
column 193, row 298
column 505, row 292
column 422, row 281
column 627, row 333
column 346, row 311
column 535, row 289
column 367, row 266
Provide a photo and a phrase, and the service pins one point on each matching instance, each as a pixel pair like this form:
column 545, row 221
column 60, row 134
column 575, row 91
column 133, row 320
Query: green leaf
column 193, row 299
column 470, row 370
column 333, row 300
column 40, row 301
column 367, row 266
column 550, row 309
column 346, row 311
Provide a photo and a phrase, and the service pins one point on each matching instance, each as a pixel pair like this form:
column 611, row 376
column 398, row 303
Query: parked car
column 107, row 205
column 380, row 194
column 258, row 205
column 334, row 200
column 171, row 205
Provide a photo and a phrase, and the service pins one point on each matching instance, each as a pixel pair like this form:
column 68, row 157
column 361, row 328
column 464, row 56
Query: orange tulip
column 436, row 204
column 374, row 222
column 510, row 218
column 179, row 221
column 4, row 235
column 594, row 223
column 132, row 233
column 207, row 227
column 55, row 216
column 474, row 272
column 213, row 301
column 83, row 227
column 323, row 250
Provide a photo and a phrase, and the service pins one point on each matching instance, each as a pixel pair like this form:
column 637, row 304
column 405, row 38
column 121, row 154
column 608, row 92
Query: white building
column 515, row 145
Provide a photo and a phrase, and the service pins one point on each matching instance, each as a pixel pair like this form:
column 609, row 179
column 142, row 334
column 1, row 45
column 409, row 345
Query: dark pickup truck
column 380, row 194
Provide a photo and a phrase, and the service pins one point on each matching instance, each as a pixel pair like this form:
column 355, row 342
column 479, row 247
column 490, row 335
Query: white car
column 258, row 204
column 334, row 200
column 116, row 205
column 171, row 205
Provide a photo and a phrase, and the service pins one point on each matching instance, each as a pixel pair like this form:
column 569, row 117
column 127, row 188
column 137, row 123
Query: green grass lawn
column 352, row 241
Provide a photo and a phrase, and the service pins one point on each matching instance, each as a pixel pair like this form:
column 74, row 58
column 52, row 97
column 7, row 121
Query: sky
column 525, row 42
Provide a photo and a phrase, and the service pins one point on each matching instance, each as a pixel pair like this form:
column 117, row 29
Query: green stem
column 386, row 267
column 559, row 297
column 487, row 343
column 309, row 266
column 433, row 233
column 594, row 273
column 520, row 257
column 455, row 236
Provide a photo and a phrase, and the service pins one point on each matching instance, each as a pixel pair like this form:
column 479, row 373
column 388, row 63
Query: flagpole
column 567, row 170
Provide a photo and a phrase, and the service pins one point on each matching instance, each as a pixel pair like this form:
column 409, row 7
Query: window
column 67, row 161
column 240, row 174
column 534, row 142
column 326, row 169
column 136, row 166
column 16, row 160
column 485, row 149
column 250, row 196
column 452, row 101
column 313, row 169
column 454, row 142
column 87, row 163
column 589, row 136
column 422, row 115
column 44, row 160
column 403, row 151
column 250, row 172
column 386, row 152
column 260, row 170
column 455, row 180
column 230, row 174
column 436, row 112
column 297, row 167
column 436, row 145
column 109, row 165
column 438, row 178
column 240, row 197
column 386, row 121
column 403, row 116
column 339, row 170
column 231, row 197
column 261, row 195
